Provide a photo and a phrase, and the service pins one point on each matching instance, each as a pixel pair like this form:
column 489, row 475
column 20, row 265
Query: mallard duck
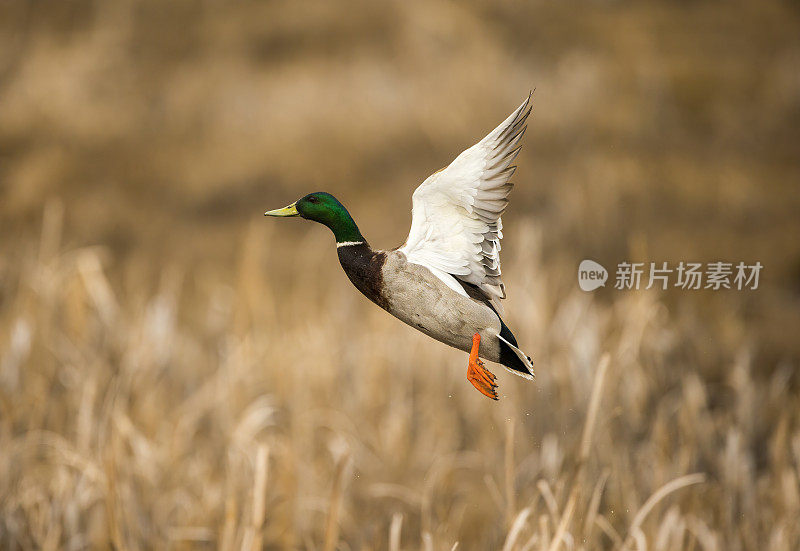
column 445, row 279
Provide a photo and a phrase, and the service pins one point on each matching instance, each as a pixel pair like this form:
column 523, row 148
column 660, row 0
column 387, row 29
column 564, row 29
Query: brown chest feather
column 363, row 267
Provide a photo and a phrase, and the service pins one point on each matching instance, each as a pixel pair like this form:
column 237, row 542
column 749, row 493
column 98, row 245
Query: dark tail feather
column 511, row 356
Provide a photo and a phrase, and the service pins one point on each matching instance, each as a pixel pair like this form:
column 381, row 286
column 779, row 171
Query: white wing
column 455, row 220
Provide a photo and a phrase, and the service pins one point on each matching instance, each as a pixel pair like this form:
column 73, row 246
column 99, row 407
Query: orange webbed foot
column 477, row 374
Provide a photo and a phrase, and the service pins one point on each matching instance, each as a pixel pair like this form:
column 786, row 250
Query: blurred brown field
column 178, row 372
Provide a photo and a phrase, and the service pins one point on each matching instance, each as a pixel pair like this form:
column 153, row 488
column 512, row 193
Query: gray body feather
column 417, row 297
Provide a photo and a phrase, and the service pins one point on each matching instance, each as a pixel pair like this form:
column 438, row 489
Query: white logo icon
column 591, row 275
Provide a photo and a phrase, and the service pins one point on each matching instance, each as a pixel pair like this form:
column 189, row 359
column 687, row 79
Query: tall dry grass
column 178, row 372
column 300, row 416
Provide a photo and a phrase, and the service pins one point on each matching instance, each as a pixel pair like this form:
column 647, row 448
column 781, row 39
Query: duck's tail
column 511, row 357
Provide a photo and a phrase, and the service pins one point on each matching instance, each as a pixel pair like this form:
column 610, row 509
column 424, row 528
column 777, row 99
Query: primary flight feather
column 456, row 224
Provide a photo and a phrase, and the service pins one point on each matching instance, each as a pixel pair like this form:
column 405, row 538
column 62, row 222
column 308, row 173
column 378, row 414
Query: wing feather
column 456, row 224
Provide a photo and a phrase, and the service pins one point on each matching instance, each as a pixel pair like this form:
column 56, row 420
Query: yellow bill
column 291, row 210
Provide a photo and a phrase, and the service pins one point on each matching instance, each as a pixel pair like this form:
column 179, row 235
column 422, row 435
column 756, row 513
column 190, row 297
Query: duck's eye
column 313, row 199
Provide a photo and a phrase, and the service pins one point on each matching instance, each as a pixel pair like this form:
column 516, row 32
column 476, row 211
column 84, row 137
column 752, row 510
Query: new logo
column 591, row 275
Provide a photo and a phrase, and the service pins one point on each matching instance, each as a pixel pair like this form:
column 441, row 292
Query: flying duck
column 445, row 279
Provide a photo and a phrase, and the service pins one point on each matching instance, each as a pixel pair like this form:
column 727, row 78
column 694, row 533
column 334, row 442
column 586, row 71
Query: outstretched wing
column 455, row 225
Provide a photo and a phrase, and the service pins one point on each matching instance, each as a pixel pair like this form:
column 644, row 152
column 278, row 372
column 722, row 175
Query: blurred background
column 178, row 372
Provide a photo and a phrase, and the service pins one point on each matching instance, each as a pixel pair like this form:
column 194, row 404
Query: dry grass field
column 177, row 372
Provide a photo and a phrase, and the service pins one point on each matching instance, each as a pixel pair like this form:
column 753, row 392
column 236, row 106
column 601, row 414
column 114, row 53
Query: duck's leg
column 480, row 377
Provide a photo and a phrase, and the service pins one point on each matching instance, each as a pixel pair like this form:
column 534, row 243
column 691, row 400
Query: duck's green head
column 324, row 208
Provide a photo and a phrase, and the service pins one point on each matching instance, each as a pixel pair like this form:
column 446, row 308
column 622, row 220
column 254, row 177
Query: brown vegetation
column 177, row 371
